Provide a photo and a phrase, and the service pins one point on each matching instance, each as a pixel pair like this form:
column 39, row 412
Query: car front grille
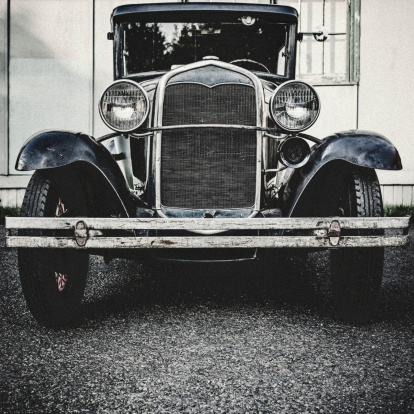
column 209, row 168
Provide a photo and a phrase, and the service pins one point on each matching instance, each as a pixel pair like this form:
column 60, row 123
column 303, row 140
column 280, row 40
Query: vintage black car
column 208, row 162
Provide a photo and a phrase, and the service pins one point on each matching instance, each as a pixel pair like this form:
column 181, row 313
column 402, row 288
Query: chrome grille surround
column 183, row 75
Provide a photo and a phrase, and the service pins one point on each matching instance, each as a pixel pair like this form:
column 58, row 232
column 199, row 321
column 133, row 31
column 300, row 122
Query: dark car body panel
column 362, row 148
column 284, row 14
column 54, row 149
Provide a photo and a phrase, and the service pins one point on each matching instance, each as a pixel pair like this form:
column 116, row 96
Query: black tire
column 53, row 280
column 357, row 273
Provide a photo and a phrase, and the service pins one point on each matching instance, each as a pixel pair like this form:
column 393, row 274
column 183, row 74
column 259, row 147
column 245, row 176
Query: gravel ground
column 210, row 339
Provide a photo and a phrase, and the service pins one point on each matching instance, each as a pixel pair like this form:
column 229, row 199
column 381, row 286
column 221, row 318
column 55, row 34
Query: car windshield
column 254, row 44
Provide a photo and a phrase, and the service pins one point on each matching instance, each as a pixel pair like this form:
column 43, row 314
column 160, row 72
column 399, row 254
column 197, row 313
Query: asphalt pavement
column 210, row 339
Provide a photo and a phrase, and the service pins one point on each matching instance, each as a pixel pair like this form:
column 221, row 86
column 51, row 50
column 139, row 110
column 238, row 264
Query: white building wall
column 60, row 62
column 386, row 101
column 50, row 69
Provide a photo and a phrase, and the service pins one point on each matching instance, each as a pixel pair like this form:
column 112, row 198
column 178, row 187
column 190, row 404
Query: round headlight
column 295, row 106
column 294, row 152
column 124, row 106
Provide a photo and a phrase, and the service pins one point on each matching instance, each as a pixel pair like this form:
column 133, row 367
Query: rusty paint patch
column 166, row 242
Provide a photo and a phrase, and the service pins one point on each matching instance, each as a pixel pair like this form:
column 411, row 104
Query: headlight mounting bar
column 150, row 131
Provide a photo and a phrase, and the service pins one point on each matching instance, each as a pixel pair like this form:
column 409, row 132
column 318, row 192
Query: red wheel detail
column 60, row 209
column 61, row 278
column 62, row 281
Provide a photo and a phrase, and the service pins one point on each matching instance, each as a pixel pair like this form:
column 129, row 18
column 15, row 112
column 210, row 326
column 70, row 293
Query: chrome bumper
column 321, row 232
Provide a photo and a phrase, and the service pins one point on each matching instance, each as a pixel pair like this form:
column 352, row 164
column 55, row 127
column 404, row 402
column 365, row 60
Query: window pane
column 335, row 58
column 316, row 60
column 336, row 15
column 310, row 51
column 166, row 45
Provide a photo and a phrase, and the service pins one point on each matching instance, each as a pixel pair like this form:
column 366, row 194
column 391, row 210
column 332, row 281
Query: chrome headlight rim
column 282, row 127
column 147, row 103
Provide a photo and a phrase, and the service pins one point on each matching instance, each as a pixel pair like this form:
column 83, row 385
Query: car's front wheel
column 53, row 280
column 357, row 273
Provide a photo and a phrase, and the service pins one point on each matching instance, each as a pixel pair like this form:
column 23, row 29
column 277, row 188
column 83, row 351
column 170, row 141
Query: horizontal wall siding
column 398, row 194
column 11, row 197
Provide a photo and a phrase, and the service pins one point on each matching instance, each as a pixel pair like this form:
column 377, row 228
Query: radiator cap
column 210, row 58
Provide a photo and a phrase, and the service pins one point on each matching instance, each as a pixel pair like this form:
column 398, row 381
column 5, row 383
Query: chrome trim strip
column 274, row 136
column 158, row 114
column 228, row 126
column 275, row 169
column 309, row 137
column 208, row 86
column 143, row 135
column 174, row 213
column 107, row 136
column 150, row 131
column 244, row 259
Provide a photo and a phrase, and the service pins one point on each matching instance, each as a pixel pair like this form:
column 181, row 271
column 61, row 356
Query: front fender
column 361, row 148
column 54, row 149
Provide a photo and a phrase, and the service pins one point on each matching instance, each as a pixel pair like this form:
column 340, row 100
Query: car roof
column 168, row 11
